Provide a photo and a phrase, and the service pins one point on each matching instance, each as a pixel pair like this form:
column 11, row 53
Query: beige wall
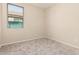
column 33, row 25
column 63, row 23
column 0, row 24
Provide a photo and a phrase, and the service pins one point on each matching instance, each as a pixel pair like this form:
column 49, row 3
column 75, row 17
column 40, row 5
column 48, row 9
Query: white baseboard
column 65, row 43
column 19, row 41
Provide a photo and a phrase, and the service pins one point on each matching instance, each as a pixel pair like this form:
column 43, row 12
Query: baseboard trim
column 62, row 42
column 65, row 43
column 18, row 42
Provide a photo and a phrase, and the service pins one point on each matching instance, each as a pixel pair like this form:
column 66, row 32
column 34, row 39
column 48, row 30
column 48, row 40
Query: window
column 15, row 16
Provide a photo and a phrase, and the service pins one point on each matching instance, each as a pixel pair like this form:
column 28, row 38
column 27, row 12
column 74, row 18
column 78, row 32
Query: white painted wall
column 63, row 23
column 0, row 24
column 33, row 25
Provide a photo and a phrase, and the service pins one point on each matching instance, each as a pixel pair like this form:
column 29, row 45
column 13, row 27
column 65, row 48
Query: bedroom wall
column 0, row 24
column 62, row 22
column 33, row 25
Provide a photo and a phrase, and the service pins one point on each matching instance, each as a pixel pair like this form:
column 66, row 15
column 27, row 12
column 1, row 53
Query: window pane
column 14, row 8
column 15, row 23
column 15, row 16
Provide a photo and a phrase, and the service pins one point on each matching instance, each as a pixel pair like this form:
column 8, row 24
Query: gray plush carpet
column 38, row 47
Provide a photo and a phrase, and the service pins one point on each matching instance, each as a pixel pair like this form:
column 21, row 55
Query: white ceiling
column 43, row 5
